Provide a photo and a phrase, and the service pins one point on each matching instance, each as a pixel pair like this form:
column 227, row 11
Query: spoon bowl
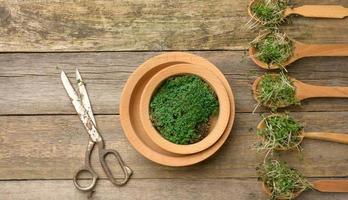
column 250, row 12
column 256, row 87
column 269, row 193
column 257, row 19
column 302, row 50
column 304, row 91
column 314, row 11
column 253, row 55
column 324, row 136
column 262, row 125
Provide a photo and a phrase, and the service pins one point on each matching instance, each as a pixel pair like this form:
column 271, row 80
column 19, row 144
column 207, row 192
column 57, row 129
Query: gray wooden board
column 30, row 83
column 105, row 25
column 53, row 146
column 154, row 189
column 42, row 142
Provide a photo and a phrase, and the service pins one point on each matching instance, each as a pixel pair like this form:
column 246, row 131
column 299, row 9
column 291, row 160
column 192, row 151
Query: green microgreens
column 181, row 108
column 279, row 131
column 269, row 12
column 276, row 90
column 282, row 181
column 273, row 48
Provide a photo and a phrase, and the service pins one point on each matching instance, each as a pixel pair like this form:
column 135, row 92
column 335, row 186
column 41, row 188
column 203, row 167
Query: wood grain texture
column 52, row 147
column 154, row 189
column 30, row 83
column 325, row 136
column 307, row 91
column 319, row 11
column 104, row 25
column 339, row 185
column 42, row 142
column 173, row 189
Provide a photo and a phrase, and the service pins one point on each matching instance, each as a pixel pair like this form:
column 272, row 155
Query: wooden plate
column 219, row 122
column 130, row 109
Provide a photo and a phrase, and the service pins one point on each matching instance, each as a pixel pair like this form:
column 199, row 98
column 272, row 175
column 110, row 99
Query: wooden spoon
column 330, row 137
column 301, row 50
column 318, row 11
column 315, row 11
column 306, row 91
column 338, row 186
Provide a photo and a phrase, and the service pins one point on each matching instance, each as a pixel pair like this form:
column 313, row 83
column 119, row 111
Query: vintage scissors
column 83, row 108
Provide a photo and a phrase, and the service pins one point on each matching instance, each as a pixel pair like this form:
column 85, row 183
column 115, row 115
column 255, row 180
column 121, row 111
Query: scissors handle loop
column 103, row 153
column 86, row 168
column 88, row 187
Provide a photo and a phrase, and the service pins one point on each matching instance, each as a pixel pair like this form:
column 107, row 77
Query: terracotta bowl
column 218, row 122
column 130, row 109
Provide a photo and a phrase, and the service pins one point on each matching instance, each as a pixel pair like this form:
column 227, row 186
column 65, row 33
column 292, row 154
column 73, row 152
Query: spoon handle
column 330, row 137
column 305, row 91
column 331, row 185
column 313, row 50
column 320, row 11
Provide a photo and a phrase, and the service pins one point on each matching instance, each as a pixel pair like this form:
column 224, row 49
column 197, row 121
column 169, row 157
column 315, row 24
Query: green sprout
column 280, row 131
column 276, row 90
column 282, row 181
column 269, row 12
column 273, row 48
column 181, row 108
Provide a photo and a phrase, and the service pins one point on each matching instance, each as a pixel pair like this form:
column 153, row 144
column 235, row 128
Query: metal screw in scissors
column 83, row 108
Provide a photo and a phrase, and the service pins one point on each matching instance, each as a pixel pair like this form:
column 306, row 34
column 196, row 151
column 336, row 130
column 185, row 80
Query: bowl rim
column 129, row 109
column 222, row 119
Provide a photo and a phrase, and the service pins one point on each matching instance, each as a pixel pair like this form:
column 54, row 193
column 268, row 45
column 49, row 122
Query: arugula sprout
column 273, row 48
column 269, row 12
column 276, row 90
column 282, row 181
column 280, row 131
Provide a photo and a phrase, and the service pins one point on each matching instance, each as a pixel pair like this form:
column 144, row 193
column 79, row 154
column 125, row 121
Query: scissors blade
column 81, row 111
column 84, row 96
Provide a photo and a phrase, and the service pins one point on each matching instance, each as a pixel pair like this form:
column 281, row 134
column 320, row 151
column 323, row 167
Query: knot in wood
column 5, row 13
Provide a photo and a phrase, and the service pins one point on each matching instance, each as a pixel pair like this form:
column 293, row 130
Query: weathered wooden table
column 42, row 141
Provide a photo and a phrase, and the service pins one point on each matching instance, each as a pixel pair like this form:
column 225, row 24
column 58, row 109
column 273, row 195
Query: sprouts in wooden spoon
column 273, row 48
column 269, row 12
column 280, row 181
column 276, row 91
column 279, row 132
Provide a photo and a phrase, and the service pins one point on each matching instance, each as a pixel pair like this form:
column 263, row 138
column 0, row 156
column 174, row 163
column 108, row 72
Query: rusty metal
column 83, row 108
